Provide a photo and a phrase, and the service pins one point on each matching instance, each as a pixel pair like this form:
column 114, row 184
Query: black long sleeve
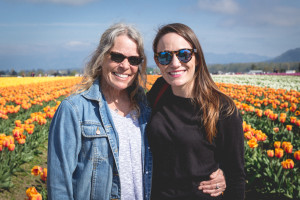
column 182, row 156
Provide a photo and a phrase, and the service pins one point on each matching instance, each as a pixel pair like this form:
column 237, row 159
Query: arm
column 64, row 144
column 231, row 151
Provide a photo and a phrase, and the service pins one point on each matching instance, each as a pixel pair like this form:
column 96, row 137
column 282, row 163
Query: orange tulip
column 252, row 143
column 293, row 119
column 29, row 130
column 288, row 148
column 247, row 127
column 277, row 144
column 33, row 194
column 287, row 164
column 18, row 123
column 289, row 127
column 21, row 141
column 267, row 112
column 263, row 137
column 270, row 153
column 11, row 147
column 248, row 135
column 259, row 113
column 282, row 119
column 276, row 129
column 278, row 152
column 297, row 155
column 36, row 170
column 273, row 116
column 31, row 190
column 44, row 174
column 284, row 144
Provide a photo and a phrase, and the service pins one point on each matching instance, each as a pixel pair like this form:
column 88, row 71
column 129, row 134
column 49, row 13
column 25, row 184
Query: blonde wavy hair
column 93, row 68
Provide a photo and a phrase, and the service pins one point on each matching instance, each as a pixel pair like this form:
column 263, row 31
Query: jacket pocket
column 95, row 145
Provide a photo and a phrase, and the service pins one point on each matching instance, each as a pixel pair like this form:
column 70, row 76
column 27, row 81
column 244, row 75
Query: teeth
column 176, row 73
column 121, row 75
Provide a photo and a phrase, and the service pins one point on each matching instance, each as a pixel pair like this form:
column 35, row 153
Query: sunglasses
column 118, row 58
column 184, row 55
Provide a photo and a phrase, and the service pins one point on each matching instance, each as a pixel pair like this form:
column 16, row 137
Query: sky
column 41, row 34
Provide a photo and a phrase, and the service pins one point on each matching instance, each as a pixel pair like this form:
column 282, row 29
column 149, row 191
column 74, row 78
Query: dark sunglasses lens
column 134, row 60
column 184, row 55
column 116, row 57
column 164, row 58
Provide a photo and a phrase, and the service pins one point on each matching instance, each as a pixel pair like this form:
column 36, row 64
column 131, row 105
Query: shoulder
column 151, row 95
column 74, row 103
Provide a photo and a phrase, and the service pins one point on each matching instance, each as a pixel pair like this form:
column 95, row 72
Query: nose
column 125, row 64
column 175, row 62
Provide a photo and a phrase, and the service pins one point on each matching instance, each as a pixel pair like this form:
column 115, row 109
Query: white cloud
column 279, row 16
column 58, row 24
column 67, row 2
column 219, row 6
column 77, row 44
column 254, row 13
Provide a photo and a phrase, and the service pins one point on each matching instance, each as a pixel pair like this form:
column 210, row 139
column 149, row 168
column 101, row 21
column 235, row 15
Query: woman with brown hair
column 194, row 128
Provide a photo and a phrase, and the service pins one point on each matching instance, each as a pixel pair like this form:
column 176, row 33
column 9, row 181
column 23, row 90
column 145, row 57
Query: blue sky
column 63, row 33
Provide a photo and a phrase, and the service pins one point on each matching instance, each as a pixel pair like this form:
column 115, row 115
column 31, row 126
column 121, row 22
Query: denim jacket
column 83, row 158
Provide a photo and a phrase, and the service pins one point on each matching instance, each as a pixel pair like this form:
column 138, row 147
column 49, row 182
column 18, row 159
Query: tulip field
column 269, row 106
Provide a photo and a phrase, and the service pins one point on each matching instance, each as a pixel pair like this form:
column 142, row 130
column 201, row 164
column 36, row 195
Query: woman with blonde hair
column 97, row 148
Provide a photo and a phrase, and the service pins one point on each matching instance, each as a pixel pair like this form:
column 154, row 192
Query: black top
column 182, row 156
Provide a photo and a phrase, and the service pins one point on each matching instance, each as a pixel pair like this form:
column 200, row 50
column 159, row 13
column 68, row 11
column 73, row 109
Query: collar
column 94, row 92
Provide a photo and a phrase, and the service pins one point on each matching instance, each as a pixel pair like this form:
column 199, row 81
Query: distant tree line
column 213, row 68
column 40, row 72
column 246, row 67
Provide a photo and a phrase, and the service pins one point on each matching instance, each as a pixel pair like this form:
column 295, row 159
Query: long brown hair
column 205, row 92
column 94, row 67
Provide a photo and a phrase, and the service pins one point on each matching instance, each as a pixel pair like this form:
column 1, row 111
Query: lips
column 176, row 73
column 121, row 75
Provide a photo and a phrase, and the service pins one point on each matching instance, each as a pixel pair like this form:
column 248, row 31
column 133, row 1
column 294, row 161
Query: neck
column 183, row 91
column 117, row 100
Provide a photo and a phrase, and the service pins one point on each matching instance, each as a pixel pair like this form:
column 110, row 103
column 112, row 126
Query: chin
column 176, row 83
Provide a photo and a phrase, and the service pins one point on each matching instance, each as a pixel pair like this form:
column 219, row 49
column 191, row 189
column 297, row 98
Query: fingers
column 212, row 189
column 216, row 185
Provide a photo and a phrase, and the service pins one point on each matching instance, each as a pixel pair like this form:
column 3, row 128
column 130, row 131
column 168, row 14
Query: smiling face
column 119, row 76
column 178, row 74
